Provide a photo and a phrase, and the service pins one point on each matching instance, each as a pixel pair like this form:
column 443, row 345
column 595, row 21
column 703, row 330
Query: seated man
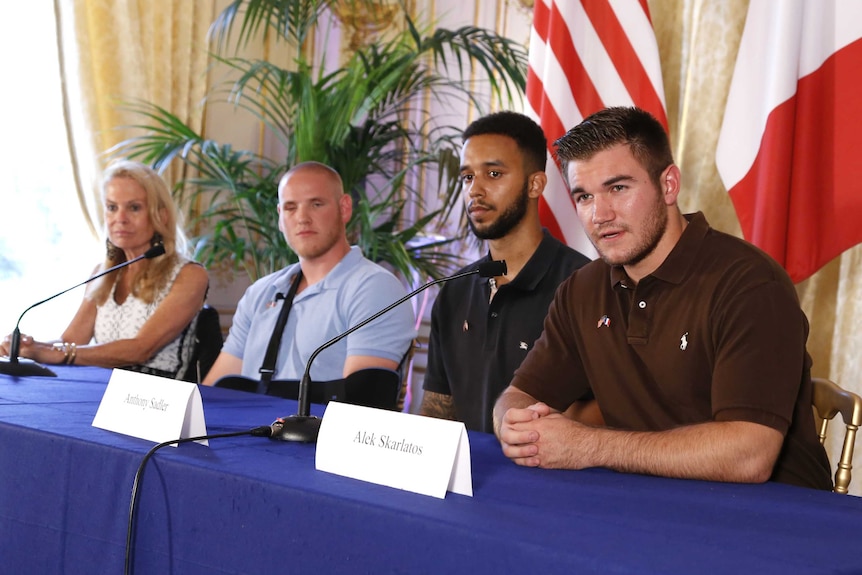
column 337, row 289
column 691, row 340
column 481, row 329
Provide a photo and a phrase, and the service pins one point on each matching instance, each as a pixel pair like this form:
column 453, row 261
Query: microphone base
column 24, row 368
column 296, row 428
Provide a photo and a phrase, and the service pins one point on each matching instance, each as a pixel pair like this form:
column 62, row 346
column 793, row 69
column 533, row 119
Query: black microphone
column 303, row 427
column 26, row 367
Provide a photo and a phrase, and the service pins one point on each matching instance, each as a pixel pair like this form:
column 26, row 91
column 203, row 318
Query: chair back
column 371, row 387
column 829, row 399
column 207, row 344
column 237, row 383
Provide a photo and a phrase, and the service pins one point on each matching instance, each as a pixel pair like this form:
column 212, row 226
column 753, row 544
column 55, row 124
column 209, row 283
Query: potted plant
column 359, row 117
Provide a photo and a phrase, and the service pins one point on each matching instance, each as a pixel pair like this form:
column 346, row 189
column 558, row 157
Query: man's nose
column 603, row 210
column 303, row 213
column 474, row 189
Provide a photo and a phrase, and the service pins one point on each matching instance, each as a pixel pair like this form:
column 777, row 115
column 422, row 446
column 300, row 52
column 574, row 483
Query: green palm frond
column 292, row 20
column 504, row 61
column 363, row 118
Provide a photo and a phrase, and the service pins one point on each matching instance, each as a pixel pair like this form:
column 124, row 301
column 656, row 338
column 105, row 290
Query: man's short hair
column 528, row 135
column 317, row 168
column 607, row 128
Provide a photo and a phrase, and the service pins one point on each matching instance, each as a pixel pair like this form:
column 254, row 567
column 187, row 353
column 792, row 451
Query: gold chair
column 829, row 400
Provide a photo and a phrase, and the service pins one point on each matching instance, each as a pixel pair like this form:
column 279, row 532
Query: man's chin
column 305, row 251
column 480, row 230
column 610, row 258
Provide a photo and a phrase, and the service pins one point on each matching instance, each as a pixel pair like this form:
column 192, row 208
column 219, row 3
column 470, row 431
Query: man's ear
column 536, row 183
column 345, row 204
column 670, row 184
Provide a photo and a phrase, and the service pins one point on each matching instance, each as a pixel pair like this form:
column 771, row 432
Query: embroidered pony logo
column 683, row 341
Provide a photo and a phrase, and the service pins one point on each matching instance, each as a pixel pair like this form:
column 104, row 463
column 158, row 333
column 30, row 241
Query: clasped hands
column 26, row 342
column 537, row 436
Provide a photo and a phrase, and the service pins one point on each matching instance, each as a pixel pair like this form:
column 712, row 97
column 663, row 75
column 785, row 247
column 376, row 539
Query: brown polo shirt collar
column 679, row 261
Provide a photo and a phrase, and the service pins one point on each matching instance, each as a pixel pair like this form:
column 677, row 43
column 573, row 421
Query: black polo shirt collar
column 536, row 267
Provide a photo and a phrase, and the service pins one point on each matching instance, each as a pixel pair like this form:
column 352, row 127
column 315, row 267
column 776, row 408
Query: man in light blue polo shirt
column 338, row 289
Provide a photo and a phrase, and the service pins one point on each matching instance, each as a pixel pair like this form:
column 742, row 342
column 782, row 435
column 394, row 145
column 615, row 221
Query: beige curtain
column 698, row 40
column 120, row 51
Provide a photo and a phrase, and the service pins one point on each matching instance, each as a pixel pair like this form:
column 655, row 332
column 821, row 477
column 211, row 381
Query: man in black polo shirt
column 481, row 329
column 691, row 340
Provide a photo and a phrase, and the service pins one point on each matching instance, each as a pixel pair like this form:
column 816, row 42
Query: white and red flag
column 586, row 55
column 789, row 150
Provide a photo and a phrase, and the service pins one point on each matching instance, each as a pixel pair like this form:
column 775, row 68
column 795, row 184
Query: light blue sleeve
column 388, row 336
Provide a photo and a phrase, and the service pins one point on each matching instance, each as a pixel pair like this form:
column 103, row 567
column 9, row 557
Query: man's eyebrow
column 489, row 163
column 607, row 183
column 617, row 179
column 321, row 198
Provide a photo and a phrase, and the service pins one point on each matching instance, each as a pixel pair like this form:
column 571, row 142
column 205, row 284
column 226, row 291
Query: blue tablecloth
column 254, row 505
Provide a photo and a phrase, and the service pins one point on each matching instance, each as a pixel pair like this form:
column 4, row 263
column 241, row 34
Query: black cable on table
column 262, row 431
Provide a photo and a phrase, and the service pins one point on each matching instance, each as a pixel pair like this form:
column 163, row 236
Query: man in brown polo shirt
column 691, row 340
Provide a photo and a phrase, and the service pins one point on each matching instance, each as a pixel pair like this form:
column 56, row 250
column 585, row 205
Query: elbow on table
column 750, row 452
column 755, row 468
column 761, row 471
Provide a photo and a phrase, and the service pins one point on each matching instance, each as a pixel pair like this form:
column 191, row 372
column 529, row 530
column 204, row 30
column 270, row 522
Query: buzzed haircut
column 528, row 135
column 638, row 129
column 317, row 167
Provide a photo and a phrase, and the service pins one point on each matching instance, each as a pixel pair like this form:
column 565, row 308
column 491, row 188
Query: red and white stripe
column 586, row 55
column 789, row 150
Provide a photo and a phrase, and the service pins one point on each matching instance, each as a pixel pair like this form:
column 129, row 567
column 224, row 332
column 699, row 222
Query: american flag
column 586, row 55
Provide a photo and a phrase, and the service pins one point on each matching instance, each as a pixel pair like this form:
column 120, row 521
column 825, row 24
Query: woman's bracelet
column 69, row 349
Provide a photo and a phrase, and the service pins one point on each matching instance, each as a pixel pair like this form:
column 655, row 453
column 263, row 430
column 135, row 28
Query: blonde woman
column 141, row 316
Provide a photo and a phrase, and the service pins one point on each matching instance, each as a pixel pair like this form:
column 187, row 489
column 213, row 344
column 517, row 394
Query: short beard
column 511, row 217
column 656, row 224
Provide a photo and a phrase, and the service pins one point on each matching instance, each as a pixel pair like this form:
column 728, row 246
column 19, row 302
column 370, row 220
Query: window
column 45, row 243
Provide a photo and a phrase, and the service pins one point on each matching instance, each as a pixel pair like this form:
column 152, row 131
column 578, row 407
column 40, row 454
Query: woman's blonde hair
column 166, row 222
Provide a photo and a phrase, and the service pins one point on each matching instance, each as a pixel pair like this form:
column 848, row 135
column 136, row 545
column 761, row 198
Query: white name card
column 420, row 454
column 151, row 407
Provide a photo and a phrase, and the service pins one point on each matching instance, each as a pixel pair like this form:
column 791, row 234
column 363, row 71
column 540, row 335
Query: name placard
column 420, row 454
column 151, row 407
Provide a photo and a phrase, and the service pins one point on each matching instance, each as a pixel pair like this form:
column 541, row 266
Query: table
column 254, row 505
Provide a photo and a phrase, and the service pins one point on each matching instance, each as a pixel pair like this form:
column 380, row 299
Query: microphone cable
column 260, row 431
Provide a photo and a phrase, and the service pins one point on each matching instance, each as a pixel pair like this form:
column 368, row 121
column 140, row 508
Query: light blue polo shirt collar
column 333, row 278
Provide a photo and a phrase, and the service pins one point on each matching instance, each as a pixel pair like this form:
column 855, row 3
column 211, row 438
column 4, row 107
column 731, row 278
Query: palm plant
column 360, row 118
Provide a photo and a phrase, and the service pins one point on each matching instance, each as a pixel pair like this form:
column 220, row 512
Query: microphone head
column 155, row 251
column 492, row 269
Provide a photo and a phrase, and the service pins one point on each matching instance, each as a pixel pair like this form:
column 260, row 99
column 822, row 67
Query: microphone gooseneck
column 17, row 367
column 304, row 427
